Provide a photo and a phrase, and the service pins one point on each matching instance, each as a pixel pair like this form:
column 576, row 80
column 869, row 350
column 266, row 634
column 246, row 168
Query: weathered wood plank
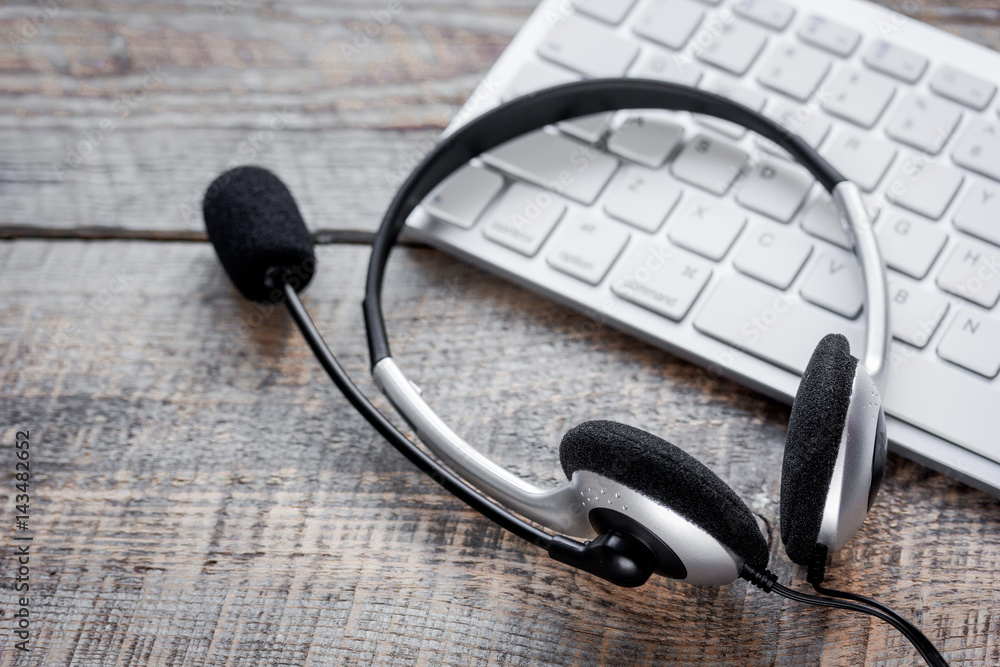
column 119, row 116
column 203, row 501
column 151, row 180
column 206, row 498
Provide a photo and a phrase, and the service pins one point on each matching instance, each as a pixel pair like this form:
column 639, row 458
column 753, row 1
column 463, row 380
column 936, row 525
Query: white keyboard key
column 858, row 96
column 737, row 93
column 784, row 331
column 646, row 138
column 588, row 48
column 773, row 255
column 779, row 328
column 555, row 162
column 642, row 198
column 770, row 13
column 833, row 37
column 587, row 128
column 980, row 213
column 523, row 218
column 667, row 67
column 536, row 76
column 861, row 158
column 586, row 247
column 973, row 341
column 923, row 187
column 915, row 313
column 662, row 279
column 963, row 88
column 609, row 11
column 979, row 149
column 463, row 196
column 835, row 284
column 669, row 22
column 775, row 189
column 965, row 412
column 909, row 244
column 709, row 163
column 735, row 48
column 972, row 271
column 810, row 125
column 794, row 70
column 897, row 62
column 923, row 122
column 707, row 227
column 822, row 220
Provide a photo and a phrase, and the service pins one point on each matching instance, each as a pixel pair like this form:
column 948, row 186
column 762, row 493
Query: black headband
column 534, row 111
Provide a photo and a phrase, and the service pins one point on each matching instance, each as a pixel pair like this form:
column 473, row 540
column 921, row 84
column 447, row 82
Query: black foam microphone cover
column 255, row 227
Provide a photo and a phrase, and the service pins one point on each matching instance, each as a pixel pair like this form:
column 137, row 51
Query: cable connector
column 763, row 580
column 816, row 571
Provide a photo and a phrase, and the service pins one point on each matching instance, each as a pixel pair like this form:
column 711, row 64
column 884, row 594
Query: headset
column 633, row 504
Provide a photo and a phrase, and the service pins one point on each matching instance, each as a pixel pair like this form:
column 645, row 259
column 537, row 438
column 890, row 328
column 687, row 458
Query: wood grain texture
column 202, row 496
column 205, row 497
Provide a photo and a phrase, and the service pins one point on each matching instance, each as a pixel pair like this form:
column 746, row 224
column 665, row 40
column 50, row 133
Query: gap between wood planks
column 98, row 233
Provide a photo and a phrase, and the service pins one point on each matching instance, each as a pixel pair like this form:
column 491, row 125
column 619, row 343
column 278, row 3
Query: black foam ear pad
column 814, row 432
column 658, row 470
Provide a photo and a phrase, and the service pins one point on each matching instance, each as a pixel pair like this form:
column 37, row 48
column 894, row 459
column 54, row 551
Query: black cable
column 767, row 582
column 418, row 457
column 927, row 651
column 917, row 635
column 815, row 575
column 829, row 592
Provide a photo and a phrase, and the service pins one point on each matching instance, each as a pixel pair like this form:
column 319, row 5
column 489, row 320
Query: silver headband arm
column 559, row 509
column 858, row 224
column 551, row 508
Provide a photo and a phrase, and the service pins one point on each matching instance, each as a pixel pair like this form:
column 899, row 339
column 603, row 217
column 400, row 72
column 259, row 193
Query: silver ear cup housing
column 684, row 551
column 587, row 505
column 862, row 452
column 878, row 459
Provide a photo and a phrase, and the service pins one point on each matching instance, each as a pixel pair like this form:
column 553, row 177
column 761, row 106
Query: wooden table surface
column 201, row 495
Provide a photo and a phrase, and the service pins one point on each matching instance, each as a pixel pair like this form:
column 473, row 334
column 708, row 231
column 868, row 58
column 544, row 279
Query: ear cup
column 815, row 428
column 658, row 470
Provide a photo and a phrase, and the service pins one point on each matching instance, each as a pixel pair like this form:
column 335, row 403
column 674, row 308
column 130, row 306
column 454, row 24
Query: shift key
column 565, row 166
column 777, row 327
column 945, row 401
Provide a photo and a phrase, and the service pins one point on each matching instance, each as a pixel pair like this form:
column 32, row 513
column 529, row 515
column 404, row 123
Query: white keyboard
column 703, row 239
